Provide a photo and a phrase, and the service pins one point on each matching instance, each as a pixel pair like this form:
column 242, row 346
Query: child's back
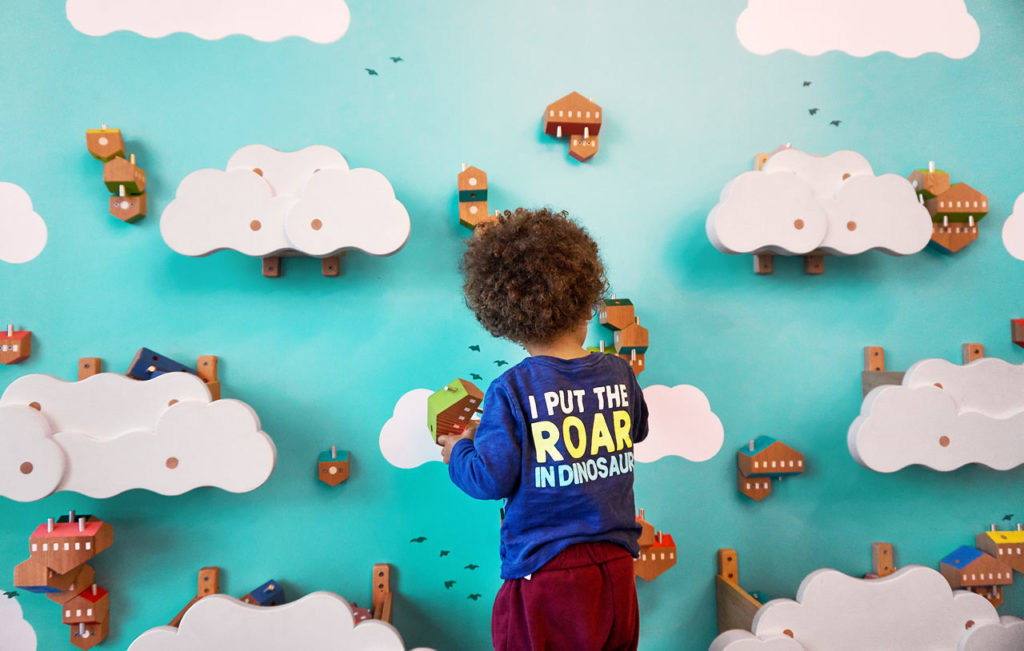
column 555, row 441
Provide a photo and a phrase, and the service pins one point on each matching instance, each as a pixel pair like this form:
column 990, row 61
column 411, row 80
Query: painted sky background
column 323, row 360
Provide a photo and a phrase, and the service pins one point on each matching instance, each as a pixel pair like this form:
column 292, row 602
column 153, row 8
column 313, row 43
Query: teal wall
column 324, row 360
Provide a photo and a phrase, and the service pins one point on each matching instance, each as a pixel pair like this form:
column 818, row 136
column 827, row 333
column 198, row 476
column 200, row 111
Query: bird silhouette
column 471, row 567
column 476, row 376
column 444, row 552
column 812, row 111
column 835, row 123
column 418, row 540
column 371, row 72
column 806, row 84
column 1008, row 517
column 475, row 347
column 396, row 59
column 501, row 362
column 11, row 595
column 448, row 585
column 474, row 596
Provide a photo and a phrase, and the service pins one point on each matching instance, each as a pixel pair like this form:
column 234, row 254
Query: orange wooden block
column 63, row 546
column 616, row 313
column 90, row 606
column 206, row 367
column 972, row 352
column 333, row 466
column 655, row 559
column 814, row 264
column 381, row 593
column 83, row 576
column 15, row 345
column 735, row 606
column 331, row 266
column 104, row 144
column 118, row 172
column 128, row 207
column 763, row 264
column 756, row 488
column 272, row 266
column 1017, row 331
column 633, row 338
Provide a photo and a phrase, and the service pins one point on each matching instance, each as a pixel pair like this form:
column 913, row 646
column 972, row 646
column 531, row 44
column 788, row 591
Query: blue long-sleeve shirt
column 556, row 442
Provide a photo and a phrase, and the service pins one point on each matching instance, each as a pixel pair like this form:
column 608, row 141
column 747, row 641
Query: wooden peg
column 88, row 366
column 272, row 266
column 814, row 264
column 381, row 599
column 883, row 561
column 206, row 367
column 972, row 352
column 331, row 266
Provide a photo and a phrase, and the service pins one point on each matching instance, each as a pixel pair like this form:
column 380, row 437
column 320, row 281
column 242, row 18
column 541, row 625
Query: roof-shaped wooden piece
column 573, row 113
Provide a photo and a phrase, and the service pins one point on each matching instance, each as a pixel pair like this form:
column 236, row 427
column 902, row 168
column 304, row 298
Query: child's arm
column 487, row 465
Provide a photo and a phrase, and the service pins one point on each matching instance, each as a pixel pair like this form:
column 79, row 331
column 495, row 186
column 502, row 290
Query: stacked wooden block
column 125, row 179
column 630, row 338
column 58, row 568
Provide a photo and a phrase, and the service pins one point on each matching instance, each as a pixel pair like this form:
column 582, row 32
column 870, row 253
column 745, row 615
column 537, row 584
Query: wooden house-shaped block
column 657, row 558
column 578, row 117
column 646, row 538
column 633, row 338
column 636, row 362
column 1007, row 546
column 958, row 203
column 761, row 460
column 930, row 182
column 473, row 197
column 616, row 313
column 450, row 409
column 973, row 569
column 118, row 172
column 90, row 606
column 63, row 546
column 269, row 594
column 86, row 636
column 104, row 144
column 80, row 578
column 128, row 207
column 15, row 345
column 333, row 466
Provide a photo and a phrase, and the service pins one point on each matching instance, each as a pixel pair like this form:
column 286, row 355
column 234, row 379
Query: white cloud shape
column 1013, row 230
column 737, row 640
column 32, row 464
column 266, row 202
column 405, row 440
column 988, row 385
column 116, row 434
column 799, row 203
column 1006, row 635
column 16, row 634
column 681, row 423
column 912, row 609
column 320, row 21
column 319, row 620
column 22, row 231
column 908, row 28
column 944, row 416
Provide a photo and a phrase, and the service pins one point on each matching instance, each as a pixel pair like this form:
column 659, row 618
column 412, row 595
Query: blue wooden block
column 269, row 594
column 149, row 364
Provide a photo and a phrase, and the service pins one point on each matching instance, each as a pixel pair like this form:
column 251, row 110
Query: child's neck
column 567, row 346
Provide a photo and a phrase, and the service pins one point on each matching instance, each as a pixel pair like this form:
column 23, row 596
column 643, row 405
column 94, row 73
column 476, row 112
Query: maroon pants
column 584, row 599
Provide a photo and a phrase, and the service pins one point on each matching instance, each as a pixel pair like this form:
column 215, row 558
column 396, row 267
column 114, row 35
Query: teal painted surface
column 323, row 360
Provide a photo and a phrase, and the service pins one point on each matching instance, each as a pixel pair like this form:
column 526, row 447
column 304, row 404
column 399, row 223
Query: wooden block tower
column 123, row 178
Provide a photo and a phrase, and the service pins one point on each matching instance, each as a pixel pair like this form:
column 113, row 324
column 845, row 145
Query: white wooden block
column 306, row 202
column 22, row 230
column 737, row 640
column 988, row 385
column 320, row 620
column 681, row 424
column 908, row 28
column 16, row 634
column 1007, row 635
column 1013, row 230
column 800, row 203
column 320, row 21
column 405, row 439
column 910, row 610
column 348, row 209
column 31, row 462
column 113, row 433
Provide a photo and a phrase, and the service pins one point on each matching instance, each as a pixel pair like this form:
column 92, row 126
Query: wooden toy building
column 1007, row 546
column 761, row 460
column 630, row 339
column 123, row 178
column 15, row 345
column 57, row 567
column 579, row 118
column 333, row 466
column 970, row 568
column 955, row 209
column 450, row 409
column 657, row 551
column 473, row 197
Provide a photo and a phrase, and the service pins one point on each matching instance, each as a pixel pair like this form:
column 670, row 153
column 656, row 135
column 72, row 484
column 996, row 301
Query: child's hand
column 448, row 442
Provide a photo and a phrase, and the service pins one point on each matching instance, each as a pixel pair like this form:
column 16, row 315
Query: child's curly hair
column 532, row 276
